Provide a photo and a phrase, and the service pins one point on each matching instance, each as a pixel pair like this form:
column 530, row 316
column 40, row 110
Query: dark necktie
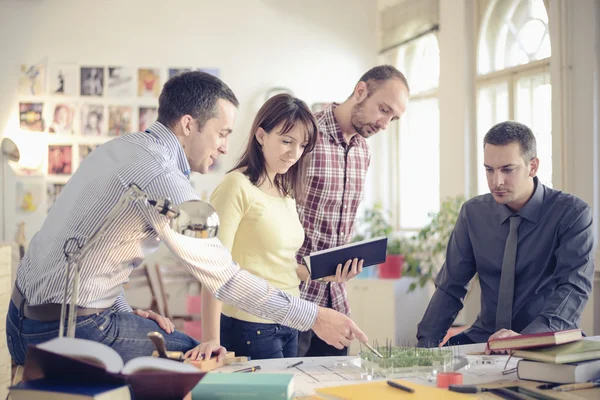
column 507, row 278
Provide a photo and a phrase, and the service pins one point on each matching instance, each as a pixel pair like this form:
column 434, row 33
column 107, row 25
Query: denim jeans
column 256, row 340
column 125, row 332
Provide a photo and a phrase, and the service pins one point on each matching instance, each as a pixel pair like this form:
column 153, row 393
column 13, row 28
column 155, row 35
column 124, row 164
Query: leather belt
column 46, row 312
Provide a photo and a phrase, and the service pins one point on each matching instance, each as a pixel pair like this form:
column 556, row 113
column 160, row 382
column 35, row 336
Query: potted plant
column 429, row 246
column 375, row 223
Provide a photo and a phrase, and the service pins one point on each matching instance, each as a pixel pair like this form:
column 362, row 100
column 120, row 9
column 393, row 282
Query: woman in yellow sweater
column 256, row 203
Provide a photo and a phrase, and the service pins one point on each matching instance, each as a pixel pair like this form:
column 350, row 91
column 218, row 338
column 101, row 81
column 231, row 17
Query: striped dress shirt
column 155, row 161
column 335, row 180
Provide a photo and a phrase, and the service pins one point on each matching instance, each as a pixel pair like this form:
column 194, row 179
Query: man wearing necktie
column 531, row 246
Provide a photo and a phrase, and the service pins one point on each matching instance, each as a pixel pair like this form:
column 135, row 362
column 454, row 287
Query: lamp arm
column 131, row 195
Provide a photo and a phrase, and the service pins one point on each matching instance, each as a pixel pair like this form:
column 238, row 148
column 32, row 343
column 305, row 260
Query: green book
column 581, row 350
column 241, row 386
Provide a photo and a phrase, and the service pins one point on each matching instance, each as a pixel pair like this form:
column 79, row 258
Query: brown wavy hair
column 289, row 111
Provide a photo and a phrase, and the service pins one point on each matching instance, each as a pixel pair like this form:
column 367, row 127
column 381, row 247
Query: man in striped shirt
column 195, row 117
column 336, row 171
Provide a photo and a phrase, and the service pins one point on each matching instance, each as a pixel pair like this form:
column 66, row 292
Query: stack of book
column 557, row 357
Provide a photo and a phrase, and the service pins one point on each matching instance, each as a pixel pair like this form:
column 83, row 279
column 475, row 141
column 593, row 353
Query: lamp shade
column 10, row 150
column 197, row 219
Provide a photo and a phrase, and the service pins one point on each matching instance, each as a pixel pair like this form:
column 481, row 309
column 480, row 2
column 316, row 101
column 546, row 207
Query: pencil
column 295, row 364
column 401, row 387
column 249, row 369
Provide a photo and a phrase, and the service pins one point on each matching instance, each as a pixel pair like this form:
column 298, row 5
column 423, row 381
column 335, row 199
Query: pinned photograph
column 60, row 160
column 213, row 71
column 148, row 82
column 148, row 115
column 30, row 116
column 32, row 80
column 120, row 82
column 119, row 120
column 29, row 196
column 63, row 80
column 92, row 120
column 62, row 119
column 177, row 71
column 52, row 192
column 85, row 150
column 92, row 81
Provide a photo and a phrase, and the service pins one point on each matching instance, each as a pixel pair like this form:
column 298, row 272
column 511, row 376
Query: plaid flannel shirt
column 335, row 176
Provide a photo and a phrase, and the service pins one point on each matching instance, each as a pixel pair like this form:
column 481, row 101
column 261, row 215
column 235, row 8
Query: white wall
column 317, row 48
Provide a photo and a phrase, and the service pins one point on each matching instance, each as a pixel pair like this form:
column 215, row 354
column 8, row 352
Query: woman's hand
column 205, row 350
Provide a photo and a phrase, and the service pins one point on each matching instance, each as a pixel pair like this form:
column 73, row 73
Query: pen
column 401, row 387
column 249, row 369
column 378, row 354
column 576, row 386
column 295, row 364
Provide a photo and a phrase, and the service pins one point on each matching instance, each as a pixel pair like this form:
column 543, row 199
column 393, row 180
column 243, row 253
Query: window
column 513, row 79
column 419, row 139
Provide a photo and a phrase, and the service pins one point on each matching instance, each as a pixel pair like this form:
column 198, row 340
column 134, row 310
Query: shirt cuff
column 540, row 324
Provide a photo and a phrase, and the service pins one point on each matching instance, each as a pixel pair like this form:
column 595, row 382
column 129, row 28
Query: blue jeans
column 258, row 341
column 125, row 332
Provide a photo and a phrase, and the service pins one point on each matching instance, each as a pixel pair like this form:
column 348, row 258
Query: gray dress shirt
column 554, row 266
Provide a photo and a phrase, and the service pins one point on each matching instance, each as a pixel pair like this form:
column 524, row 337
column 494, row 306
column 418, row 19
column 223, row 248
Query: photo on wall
column 32, row 79
column 177, row 71
column 93, row 120
column 85, row 150
column 52, row 192
column 63, row 80
column 92, row 81
column 29, row 196
column 30, row 116
column 60, row 159
column 119, row 120
column 120, row 82
column 62, row 119
column 148, row 115
column 148, row 82
column 213, row 71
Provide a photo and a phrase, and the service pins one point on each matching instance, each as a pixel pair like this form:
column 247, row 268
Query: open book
column 324, row 263
column 83, row 361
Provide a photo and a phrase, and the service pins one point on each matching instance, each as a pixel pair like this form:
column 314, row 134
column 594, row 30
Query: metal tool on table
column 161, row 349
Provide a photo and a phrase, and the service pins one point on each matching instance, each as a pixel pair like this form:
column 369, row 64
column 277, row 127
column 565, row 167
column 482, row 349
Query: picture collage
column 80, row 107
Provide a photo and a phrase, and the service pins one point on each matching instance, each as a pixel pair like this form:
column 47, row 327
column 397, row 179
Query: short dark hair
column 288, row 111
column 192, row 93
column 508, row 132
column 381, row 74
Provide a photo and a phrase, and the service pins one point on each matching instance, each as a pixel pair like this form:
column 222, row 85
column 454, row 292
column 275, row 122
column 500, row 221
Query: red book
column 79, row 361
column 535, row 340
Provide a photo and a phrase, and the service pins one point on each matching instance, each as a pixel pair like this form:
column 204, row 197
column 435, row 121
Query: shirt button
column 345, row 206
column 341, row 233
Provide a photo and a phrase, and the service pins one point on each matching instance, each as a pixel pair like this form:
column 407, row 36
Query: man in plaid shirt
column 335, row 176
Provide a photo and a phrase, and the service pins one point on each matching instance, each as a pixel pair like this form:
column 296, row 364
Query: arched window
column 513, row 80
column 419, row 141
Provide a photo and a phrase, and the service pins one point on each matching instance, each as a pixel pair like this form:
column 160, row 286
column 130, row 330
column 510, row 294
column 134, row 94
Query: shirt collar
column 334, row 127
column 166, row 136
column 531, row 210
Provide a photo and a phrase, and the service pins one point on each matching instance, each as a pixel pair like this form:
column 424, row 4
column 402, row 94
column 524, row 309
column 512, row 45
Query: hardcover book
column 324, row 263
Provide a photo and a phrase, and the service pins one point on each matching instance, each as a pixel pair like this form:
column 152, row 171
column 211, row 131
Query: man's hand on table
column 502, row 333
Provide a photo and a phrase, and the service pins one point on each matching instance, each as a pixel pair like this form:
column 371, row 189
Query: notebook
column 535, row 340
column 380, row 390
column 324, row 263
